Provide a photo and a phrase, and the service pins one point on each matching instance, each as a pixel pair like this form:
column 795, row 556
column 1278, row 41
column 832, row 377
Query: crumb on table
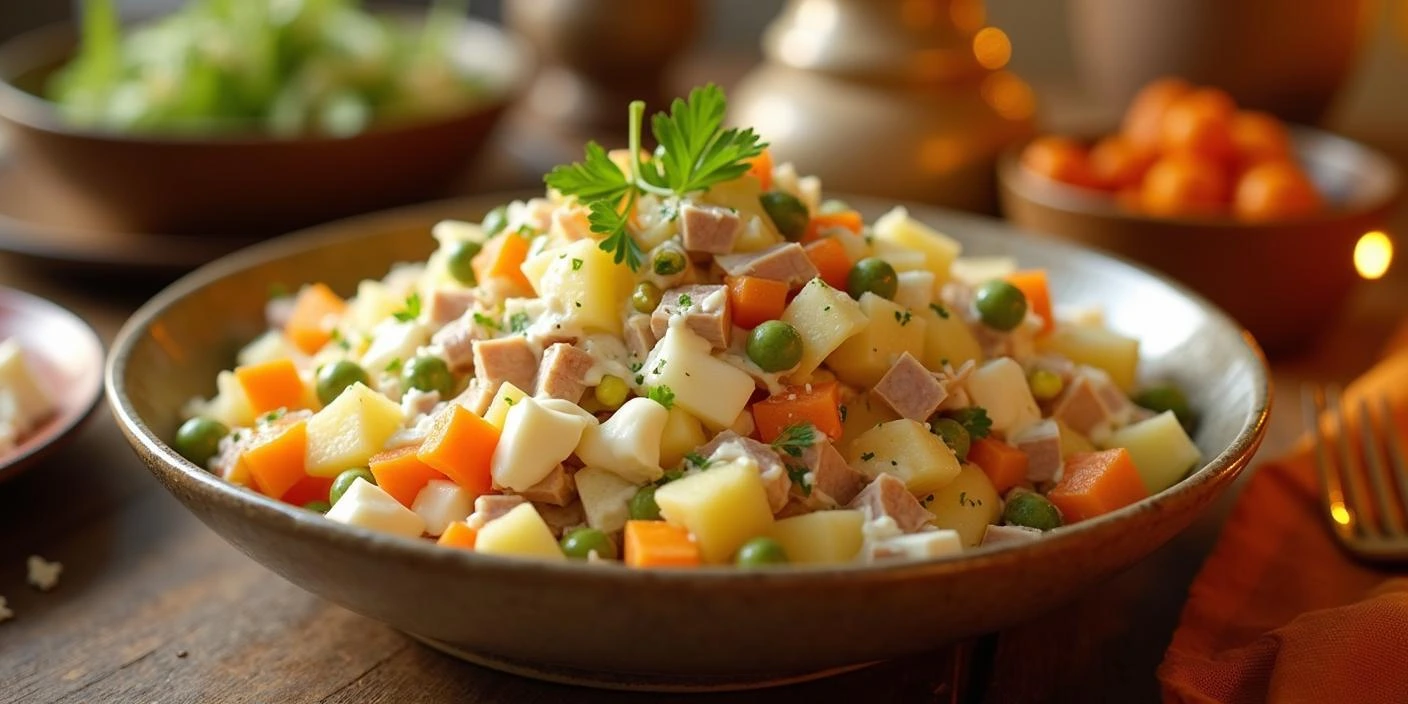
column 43, row 575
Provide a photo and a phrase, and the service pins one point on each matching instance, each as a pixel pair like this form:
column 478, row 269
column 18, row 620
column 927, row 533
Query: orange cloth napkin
column 1278, row 613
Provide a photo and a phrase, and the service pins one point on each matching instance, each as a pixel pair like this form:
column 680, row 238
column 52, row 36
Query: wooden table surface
column 153, row 606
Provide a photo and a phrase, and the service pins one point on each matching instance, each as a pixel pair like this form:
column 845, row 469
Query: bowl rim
column 36, row 48
column 1075, row 200
column 173, row 469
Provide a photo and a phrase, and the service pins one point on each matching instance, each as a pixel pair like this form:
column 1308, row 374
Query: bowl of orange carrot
column 1260, row 216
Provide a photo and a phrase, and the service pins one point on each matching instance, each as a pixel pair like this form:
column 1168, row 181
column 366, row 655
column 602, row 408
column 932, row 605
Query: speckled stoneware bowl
column 697, row 629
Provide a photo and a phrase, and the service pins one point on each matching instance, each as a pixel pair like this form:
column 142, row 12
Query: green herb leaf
column 518, row 322
column 795, row 439
column 798, row 475
column 594, row 178
column 412, row 310
column 619, row 244
column 696, row 152
column 685, row 301
column 394, row 365
column 485, row 321
column 697, row 460
column 942, row 311
column 576, row 264
column 662, row 395
column 974, row 419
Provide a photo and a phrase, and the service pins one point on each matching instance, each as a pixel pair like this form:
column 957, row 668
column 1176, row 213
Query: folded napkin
column 1278, row 613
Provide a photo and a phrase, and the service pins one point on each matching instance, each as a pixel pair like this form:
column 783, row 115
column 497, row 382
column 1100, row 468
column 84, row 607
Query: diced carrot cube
column 271, row 385
column 1005, row 465
column 401, row 473
column 502, row 258
column 659, row 544
column 277, row 463
column 832, row 263
column 821, row 222
column 309, row 488
column 458, row 535
column 461, row 446
column 754, row 300
column 314, row 316
column 1097, row 483
column 1032, row 283
column 760, row 167
column 818, row 404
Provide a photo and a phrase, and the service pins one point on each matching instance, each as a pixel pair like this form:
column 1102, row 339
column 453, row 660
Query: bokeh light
column 992, row 48
column 1373, row 254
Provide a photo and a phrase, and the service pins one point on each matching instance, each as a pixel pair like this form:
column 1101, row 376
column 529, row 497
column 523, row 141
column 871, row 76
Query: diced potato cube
column 348, row 431
column 504, row 399
column 723, row 508
column 604, row 496
column 521, row 532
column 683, row 433
column 863, row 412
column 270, row 346
column 709, row 388
column 821, row 538
column 1000, row 386
column 1160, row 448
column 976, row 271
column 947, row 339
column 968, row 505
column 916, row 290
column 939, row 249
column 535, row 440
column 589, row 284
column 373, row 303
column 628, row 443
column 1073, row 442
column 908, row 450
column 367, row 505
column 393, row 340
column 824, row 317
column 890, row 331
column 1117, row 354
column 229, row 405
column 899, row 256
column 441, row 503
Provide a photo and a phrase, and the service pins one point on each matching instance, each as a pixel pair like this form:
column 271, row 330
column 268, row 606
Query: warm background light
column 1373, row 254
column 992, row 48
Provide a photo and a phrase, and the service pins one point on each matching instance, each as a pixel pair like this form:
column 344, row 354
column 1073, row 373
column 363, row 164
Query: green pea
column 495, row 220
column 611, row 391
column 1166, row 397
column 873, row 275
column 1031, row 510
column 788, row 214
column 428, row 374
column 343, row 482
column 646, row 297
column 1000, row 305
column 642, row 506
column 831, row 206
column 954, row 435
column 760, row 552
column 460, row 262
column 581, row 542
column 1046, row 384
column 198, row 439
column 333, row 378
column 669, row 261
column 775, row 346
column 318, row 506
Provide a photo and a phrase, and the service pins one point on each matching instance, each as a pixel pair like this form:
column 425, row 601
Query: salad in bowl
column 687, row 357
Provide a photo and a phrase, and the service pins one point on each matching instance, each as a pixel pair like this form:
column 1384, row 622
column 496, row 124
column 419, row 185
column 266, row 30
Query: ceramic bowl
column 238, row 184
column 1283, row 280
column 609, row 626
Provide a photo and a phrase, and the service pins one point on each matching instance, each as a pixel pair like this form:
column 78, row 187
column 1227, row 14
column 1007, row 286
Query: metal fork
column 1376, row 531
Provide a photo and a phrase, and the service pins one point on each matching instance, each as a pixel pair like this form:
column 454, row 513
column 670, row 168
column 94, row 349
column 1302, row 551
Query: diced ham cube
column 794, row 507
column 833, row 478
column 728, row 446
column 1042, row 444
column 1080, row 407
column 709, row 229
column 640, row 339
column 561, row 519
column 476, row 397
column 508, row 359
column 786, row 262
column 447, row 304
column 1117, row 404
column 1002, row 535
column 705, row 310
column 456, row 340
column 910, row 389
column 416, row 403
column 557, row 488
column 888, row 496
column 563, row 372
column 491, row 506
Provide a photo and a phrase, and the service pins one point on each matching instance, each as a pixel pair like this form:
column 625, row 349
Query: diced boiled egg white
column 1000, row 387
column 604, row 497
column 979, row 270
column 393, row 340
column 628, row 443
column 441, row 503
column 916, row 289
column 711, row 389
column 42, row 574
column 366, row 505
column 917, row 546
column 535, row 439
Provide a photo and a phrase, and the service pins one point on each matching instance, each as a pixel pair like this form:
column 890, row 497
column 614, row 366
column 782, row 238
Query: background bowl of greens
column 258, row 115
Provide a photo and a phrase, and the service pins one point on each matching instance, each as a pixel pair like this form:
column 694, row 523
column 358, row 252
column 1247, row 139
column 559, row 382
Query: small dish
column 67, row 356
column 1282, row 280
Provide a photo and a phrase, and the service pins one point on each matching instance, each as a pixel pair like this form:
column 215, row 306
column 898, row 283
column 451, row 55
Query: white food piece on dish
column 441, row 503
column 900, row 257
column 916, row 289
column 5, row 613
column 348, row 431
column 939, row 249
column 1000, row 387
column 521, row 532
column 536, row 438
column 393, row 340
column 1106, row 349
column 821, row 538
column 604, row 497
column 916, row 546
column 1160, row 448
column 975, row 271
column 271, row 346
column 825, row 318
column 369, row 506
column 722, row 508
column 712, row 390
column 628, row 443
column 504, row 399
column 29, row 403
column 586, row 282
column 42, row 574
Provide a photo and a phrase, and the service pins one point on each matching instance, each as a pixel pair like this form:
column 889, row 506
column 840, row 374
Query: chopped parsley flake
column 696, row 459
column 867, row 456
column 576, row 264
column 518, row 322
column 798, row 475
column 942, row 311
column 974, row 419
column 685, row 301
column 272, row 416
column 412, row 310
column 662, row 395
column 902, row 318
column 394, row 365
column 795, row 438
column 842, row 409
column 485, row 321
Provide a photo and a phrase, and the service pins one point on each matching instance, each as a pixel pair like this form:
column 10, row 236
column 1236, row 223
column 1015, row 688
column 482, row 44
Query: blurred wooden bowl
column 249, row 183
column 1283, row 281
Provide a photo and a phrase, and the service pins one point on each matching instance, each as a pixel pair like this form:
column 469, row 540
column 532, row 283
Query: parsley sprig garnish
column 662, row 395
column 795, row 439
column 695, row 153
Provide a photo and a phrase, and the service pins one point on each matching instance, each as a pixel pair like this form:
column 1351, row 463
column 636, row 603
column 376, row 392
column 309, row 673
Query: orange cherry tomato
column 1116, row 163
column 1183, row 185
column 1258, row 137
column 1058, row 158
column 1200, row 123
column 1143, row 121
column 1275, row 190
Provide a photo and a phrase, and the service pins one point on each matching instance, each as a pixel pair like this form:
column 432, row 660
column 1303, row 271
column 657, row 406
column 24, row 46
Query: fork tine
column 1331, row 488
column 1357, row 504
column 1390, row 520
column 1397, row 465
